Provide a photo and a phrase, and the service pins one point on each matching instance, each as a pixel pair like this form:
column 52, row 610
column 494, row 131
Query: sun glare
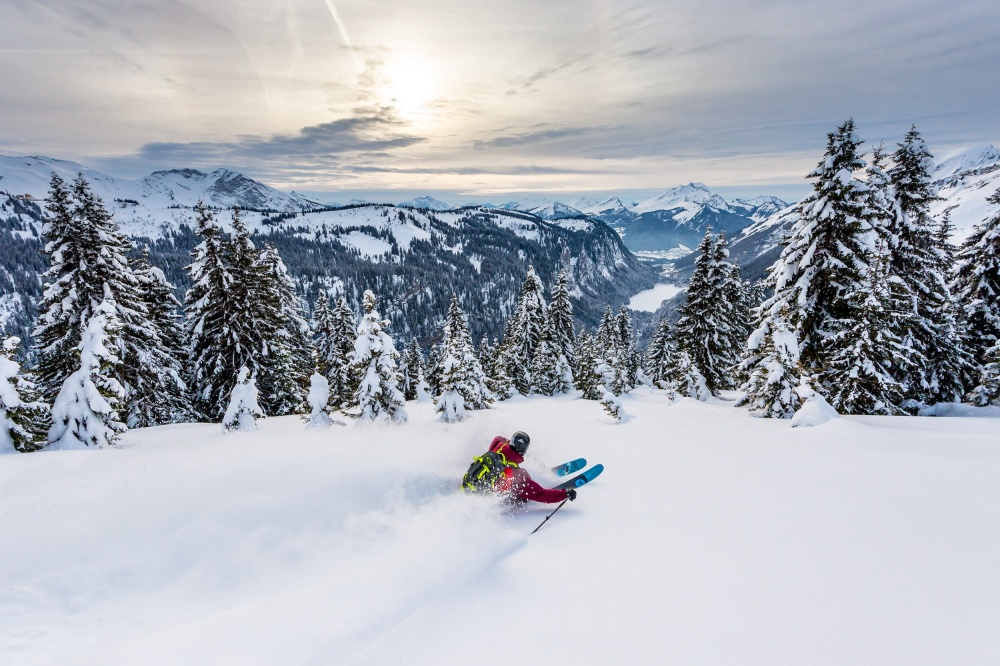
column 409, row 88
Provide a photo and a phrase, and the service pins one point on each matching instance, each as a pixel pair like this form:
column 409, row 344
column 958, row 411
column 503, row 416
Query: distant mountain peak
column 428, row 203
column 690, row 196
column 184, row 173
column 553, row 210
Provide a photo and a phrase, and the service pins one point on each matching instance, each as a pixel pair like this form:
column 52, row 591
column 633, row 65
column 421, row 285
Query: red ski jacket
column 518, row 482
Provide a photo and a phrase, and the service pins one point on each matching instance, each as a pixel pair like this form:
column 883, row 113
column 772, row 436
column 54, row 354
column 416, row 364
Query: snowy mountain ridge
column 692, row 198
column 222, row 187
column 426, row 203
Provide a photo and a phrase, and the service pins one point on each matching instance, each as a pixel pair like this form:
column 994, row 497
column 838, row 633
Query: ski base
column 569, row 467
column 581, row 479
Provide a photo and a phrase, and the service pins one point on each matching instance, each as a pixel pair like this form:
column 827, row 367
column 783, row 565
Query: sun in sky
column 409, row 87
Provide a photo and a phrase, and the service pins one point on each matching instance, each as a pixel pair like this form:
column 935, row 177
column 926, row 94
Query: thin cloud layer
column 489, row 97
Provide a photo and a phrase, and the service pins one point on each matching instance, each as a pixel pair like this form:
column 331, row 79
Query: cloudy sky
column 487, row 100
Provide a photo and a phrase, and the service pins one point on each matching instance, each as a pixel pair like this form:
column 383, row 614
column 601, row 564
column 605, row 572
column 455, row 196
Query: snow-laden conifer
column 286, row 354
column 546, row 370
column 607, row 333
column 688, row 382
column 412, row 370
column 660, row 355
column 59, row 325
column 589, row 380
column 433, row 369
column 23, row 417
column 87, row 264
column 824, row 260
column 987, row 390
column 85, row 412
column 319, row 396
column 612, row 405
column 562, row 336
column 705, row 328
column 223, row 326
column 322, row 331
column 917, row 260
column 773, row 374
column 165, row 396
column 977, row 285
column 463, row 384
column 244, row 408
column 338, row 354
column 493, row 363
column 627, row 356
column 377, row 398
column 525, row 330
column 860, row 375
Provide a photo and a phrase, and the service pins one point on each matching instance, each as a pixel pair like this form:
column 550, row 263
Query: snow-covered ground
column 711, row 538
column 651, row 299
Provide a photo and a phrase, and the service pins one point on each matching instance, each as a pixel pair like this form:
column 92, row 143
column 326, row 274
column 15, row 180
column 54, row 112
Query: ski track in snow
column 711, row 538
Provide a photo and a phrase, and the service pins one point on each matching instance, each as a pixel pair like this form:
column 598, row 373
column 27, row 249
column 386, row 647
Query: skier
column 501, row 473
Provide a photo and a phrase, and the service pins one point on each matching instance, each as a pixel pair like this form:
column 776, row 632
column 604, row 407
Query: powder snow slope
column 711, row 538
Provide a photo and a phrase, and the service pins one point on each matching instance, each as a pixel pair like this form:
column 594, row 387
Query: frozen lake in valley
column 649, row 300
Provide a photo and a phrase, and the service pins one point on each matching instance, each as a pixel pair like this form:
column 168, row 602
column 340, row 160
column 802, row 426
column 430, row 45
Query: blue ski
column 569, row 467
column 581, row 479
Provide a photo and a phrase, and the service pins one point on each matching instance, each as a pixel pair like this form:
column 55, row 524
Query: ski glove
column 571, row 494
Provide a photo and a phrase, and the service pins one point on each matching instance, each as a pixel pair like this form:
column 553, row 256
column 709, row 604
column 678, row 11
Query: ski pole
column 549, row 516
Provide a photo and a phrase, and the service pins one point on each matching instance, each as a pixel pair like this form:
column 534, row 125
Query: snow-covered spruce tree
column 606, row 339
column 23, row 418
column 774, row 374
column 660, row 356
column 319, row 396
column 463, row 384
column 87, row 265
column 868, row 350
column 977, row 285
column 433, row 369
column 339, row 354
column 222, row 327
column 987, row 390
column 59, row 324
column 742, row 299
column 588, row 378
column 562, row 336
column 688, row 382
column 84, row 413
column 377, row 397
column 322, row 330
column 497, row 380
column 824, row 260
column 287, row 356
column 243, row 409
column 412, row 371
column 628, row 357
column 546, row 373
column 612, row 405
column 168, row 400
column 526, row 329
column 704, row 329
column 916, row 259
column 951, row 367
column 205, row 310
column 487, row 356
